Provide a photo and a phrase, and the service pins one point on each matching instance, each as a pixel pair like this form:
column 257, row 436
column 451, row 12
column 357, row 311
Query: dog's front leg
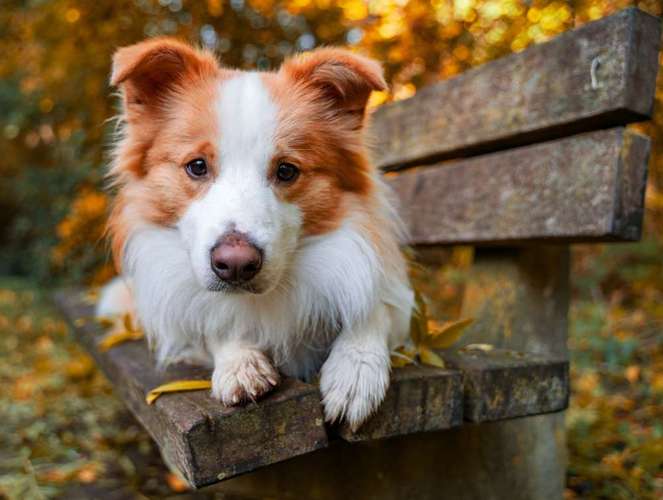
column 241, row 372
column 355, row 377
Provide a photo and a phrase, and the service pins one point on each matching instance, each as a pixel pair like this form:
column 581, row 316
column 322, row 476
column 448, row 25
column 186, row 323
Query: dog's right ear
column 147, row 70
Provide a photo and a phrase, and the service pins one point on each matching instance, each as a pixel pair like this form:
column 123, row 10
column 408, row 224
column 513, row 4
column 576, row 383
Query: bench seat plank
column 600, row 75
column 206, row 442
column 197, row 436
column 588, row 187
column 501, row 384
column 419, row 399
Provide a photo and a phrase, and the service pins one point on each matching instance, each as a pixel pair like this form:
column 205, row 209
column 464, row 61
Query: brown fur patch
column 322, row 99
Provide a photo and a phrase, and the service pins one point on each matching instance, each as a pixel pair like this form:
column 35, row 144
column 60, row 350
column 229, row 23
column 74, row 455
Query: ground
column 66, row 434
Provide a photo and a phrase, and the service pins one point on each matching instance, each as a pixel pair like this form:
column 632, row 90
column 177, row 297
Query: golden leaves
column 427, row 336
column 177, row 386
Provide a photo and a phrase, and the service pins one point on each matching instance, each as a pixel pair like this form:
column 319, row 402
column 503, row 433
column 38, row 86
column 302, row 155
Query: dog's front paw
column 353, row 384
column 243, row 375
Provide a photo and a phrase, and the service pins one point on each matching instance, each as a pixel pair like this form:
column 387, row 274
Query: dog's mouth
column 235, row 288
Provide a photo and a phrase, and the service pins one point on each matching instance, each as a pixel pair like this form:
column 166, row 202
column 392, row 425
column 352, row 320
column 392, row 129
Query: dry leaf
column 90, row 297
column 478, row 347
column 419, row 320
column 177, row 386
column 105, row 321
column 425, row 340
column 176, row 483
column 448, row 333
column 402, row 356
column 430, row 357
column 114, row 338
column 124, row 330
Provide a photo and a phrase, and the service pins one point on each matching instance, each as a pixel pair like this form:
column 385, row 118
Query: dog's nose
column 235, row 259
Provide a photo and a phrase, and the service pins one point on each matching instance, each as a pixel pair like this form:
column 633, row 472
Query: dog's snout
column 235, row 259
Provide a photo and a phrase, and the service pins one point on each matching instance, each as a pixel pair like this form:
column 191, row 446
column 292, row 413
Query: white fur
column 115, row 298
column 241, row 197
column 334, row 297
column 241, row 372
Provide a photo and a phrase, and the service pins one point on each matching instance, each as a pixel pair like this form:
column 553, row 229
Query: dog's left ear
column 341, row 77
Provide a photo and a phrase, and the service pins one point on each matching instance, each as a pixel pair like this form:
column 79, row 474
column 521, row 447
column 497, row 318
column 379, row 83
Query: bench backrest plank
column 600, row 75
column 588, row 187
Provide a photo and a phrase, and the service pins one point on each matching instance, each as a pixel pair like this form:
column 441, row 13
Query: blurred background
column 63, row 432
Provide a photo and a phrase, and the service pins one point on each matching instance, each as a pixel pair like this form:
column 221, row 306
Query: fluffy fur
column 332, row 295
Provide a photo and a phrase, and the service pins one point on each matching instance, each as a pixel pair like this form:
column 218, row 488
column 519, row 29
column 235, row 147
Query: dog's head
column 243, row 164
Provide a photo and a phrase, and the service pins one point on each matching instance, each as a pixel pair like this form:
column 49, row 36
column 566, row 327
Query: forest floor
column 65, row 434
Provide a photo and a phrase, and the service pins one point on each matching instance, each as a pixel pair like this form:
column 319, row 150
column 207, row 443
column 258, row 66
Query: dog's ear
column 341, row 77
column 147, row 70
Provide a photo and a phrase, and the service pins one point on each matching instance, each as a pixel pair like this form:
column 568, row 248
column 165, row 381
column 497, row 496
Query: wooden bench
column 519, row 157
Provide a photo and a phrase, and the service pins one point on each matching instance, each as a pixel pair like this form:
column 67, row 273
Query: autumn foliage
column 56, row 120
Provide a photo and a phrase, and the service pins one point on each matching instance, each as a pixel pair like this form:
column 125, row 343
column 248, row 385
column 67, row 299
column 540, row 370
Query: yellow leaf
column 429, row 357
column 177, row 386
column 478, row 347
column 448, row 333
column 115, row 338
column 419, row 321
column 402, row 356
column 80, row 322
column 90, row 297
column 128, row 322
column 105, row 321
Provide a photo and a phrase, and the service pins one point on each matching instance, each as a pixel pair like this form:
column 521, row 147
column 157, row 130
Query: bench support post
column 520, row 298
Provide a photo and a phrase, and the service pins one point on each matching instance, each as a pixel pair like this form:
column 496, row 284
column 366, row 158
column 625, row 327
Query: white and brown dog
column 250, row 229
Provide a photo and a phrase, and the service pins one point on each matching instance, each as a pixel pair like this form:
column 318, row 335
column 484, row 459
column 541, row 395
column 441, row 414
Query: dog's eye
column 286, row 172
column 196, row 168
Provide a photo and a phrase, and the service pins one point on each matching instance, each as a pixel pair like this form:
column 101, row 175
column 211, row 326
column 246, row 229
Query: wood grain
column 588, row 187
column 597, row 76
column 420, row 398
column 500, row 384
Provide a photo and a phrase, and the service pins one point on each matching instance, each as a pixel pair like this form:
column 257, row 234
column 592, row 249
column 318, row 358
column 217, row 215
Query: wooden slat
column 600, row 75
column 500, row 384
column 208, row 443
column 588, row 187
column 197, row 435
column 420, row 398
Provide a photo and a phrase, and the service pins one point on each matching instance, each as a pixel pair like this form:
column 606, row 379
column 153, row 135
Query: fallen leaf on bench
column 427, row 335
column 124, row 330
column 478, row 347
column 176, row 483
column 115, row 338
column 430, row 357
column 447, row 334
column 177, row 386
column 90, row 296
column 402, row 356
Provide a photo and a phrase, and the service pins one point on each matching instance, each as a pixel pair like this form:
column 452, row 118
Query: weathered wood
column 501, row 383
column 519, row 298
column 207, row 443
column 588, row 187
column 463, row 463
column 420, row 398
column 600, row 75
column 197, row 436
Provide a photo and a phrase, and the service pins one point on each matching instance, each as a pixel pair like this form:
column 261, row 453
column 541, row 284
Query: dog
column 250, row 230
